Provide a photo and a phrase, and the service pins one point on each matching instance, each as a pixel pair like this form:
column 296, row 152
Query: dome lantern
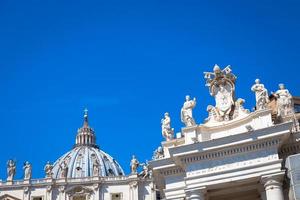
column 85, row 134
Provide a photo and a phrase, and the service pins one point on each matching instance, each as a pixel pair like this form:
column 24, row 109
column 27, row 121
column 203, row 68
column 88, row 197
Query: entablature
column 271, row 133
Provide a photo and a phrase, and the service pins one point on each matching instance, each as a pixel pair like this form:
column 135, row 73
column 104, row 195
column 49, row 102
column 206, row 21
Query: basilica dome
column 86, row 159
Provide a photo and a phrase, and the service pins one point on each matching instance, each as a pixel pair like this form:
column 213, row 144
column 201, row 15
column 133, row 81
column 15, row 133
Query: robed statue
column 284, row 101
column 27, row 170
column 134, row 163
column 11, row 169
column 187, row 111
column 166, row 129
column 48, row 170
column 261, row 95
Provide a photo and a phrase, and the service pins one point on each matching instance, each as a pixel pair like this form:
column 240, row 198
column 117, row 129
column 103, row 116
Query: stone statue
column 48, row 170
column 284, row 101
column 224, row 100
column 167, row 131
column 11, row 170
column 239, row 109
column 212, row 114
column 27, row 170
column 134, row 163
column 261, row 95
column 221, row 85
column 146, row 173
column 158, row 153
column 95, row 167
column 64, row 169
column 187, row 111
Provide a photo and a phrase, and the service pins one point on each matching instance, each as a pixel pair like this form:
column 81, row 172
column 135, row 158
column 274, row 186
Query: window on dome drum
column 37, row 198
column 116, row 196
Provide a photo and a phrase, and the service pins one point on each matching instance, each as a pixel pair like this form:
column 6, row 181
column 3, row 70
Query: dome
column 86, row 159
column 82, row 161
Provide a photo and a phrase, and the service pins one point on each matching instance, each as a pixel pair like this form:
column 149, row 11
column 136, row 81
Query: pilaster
column 26, row 193
column 133, row 184
column 62, row 192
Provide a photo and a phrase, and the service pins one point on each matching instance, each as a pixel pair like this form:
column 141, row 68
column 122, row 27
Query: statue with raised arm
column 261, row 95
column 11, row 169
column 134, row 163
column 284, row 101
column 146, row 173
column 48, row 170
column 166, row 129
column 187, row 111
column 27, row 170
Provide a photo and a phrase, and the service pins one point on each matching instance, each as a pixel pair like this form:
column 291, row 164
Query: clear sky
column 128, row 62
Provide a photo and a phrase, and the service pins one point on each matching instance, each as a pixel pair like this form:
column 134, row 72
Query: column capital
column 196, row 193
column 272, row 180
column 273, row 185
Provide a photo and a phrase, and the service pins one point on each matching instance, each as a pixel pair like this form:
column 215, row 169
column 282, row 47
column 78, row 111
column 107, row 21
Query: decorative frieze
column 234, row 162
column 172, row 171
column 230, row 151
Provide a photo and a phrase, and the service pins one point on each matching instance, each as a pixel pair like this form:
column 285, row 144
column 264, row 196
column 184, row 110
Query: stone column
column 273, row 186
column 196, row 193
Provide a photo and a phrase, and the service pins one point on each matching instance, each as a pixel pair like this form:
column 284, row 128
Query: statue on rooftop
column 261, row 95
column 147, row 172
column 134, row 163
column 48, row 170
column 212, row 114
column 11, row 169
column 187, row 111
column 284, row 101
column 221, row 84
column 64, row 169
column 158, row 153
column 167, row 131
column 27, row 170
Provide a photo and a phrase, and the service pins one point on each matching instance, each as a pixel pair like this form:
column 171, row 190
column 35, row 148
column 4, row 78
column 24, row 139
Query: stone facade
column 234, row 154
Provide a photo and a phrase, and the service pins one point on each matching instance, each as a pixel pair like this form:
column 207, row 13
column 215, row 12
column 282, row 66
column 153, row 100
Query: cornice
column 276, row 131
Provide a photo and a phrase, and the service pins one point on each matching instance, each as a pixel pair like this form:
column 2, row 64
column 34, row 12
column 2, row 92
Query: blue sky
column 128, row 62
